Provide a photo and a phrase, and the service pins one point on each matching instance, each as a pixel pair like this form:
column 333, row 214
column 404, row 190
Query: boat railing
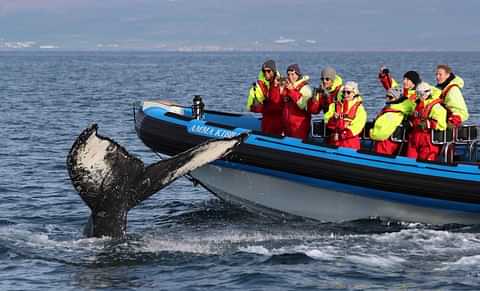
column 467, row 136
column 319, row 130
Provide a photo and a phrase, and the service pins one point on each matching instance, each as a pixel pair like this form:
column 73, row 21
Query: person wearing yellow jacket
column 397, row 108
column 410, row 81
column 346, row 118
column 429, row 115
column 264, row 97
column 451, row 95
column 328, row 91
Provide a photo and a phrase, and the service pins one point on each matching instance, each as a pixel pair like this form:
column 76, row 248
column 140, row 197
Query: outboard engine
column 197, row 107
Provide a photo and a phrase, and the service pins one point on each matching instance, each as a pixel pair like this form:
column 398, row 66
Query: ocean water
column 183, row 238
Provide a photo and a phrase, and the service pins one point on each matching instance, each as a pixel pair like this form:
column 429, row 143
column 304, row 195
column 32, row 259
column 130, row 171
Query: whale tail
column 111, row 181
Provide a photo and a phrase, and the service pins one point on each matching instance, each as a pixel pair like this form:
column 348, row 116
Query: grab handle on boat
column 197, row 107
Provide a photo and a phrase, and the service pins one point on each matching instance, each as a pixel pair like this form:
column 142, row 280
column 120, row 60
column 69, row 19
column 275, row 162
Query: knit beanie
column 270, row 64
column 294, row 68
column 328, row 72
column 413, row 76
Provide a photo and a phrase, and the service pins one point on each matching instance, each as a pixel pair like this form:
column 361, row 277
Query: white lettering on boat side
column 211, row 131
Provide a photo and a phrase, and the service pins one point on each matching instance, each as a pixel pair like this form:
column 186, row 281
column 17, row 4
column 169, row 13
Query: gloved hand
column 323, row 91
column 454, row 121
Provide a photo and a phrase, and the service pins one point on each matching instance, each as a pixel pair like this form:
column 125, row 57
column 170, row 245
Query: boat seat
column 366, row 130
column 318, row 128
column 400, row 134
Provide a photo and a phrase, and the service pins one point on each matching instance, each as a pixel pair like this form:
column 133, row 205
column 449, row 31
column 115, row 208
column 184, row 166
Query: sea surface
column 183, row 238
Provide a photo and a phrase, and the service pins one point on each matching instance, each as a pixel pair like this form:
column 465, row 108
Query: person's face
column 268, row 73
column 407, row 83
column 441, row 75
column 326, row 82
column 292, row 76
column 348, row 94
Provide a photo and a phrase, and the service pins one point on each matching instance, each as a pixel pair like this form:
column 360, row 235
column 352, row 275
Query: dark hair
column 445, row 67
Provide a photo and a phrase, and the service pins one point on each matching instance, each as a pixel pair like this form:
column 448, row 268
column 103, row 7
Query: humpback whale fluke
column 111, row 181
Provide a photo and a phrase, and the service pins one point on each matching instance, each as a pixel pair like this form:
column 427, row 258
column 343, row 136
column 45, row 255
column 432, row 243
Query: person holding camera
column 295, row 95
column 264, row 97
column 328, row 91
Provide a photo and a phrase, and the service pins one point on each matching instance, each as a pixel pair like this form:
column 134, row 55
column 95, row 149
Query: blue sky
column 242, row 24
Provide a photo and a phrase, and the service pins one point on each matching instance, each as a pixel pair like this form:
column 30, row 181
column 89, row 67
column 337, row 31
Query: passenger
column 296, row 94
column 410, row 81
column 346, row 118
column 451, row 95
column 397, row 108
column 264, row 97
column 429, row 115
column 328, row 91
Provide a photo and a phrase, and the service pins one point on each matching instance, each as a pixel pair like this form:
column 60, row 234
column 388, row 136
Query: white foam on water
column 225, row 241
column 183, row 246
column 327, row 253
column 383, row 261
column 41, row 245
column 432, row 240
column 260, row 250
column 464, row 263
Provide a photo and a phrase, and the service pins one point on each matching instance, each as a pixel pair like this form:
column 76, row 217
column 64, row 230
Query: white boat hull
column 260, row 191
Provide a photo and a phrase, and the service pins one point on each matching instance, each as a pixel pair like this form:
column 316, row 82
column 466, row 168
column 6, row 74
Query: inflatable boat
column 287, row 176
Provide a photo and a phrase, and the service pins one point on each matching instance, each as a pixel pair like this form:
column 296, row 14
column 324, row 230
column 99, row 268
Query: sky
column 314, row 25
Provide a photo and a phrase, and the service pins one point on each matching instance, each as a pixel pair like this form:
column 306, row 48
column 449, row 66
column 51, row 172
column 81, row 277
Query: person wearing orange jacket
column 451, row 95
column 328, row 91
column 410, row 81
column 264, row 97
column 429, row 115
column 296, row 94
column 346, row 118
column 397, row 109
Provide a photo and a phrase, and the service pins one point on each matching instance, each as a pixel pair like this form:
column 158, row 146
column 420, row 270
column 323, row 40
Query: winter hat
column 394, row 93
column 269, row 64
column 328, row 72
column 351, row 86
column 413, row 76
column 423, row 88
column 294, row 68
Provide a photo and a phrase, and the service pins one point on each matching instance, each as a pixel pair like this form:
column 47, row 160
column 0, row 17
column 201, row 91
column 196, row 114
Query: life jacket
column 301, row 93
column 444, row 94
column 423, row 113
column 259, row 90
column 344, row 116
column 387, row 109
column 410, row 93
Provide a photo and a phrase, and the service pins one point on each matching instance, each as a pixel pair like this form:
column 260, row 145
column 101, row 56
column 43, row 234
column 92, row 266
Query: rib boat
column 281, row 175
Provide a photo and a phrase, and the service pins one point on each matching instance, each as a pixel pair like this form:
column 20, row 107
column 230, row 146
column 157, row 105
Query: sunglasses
column 346, row 92
column 267, row 70
column 325, row 79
